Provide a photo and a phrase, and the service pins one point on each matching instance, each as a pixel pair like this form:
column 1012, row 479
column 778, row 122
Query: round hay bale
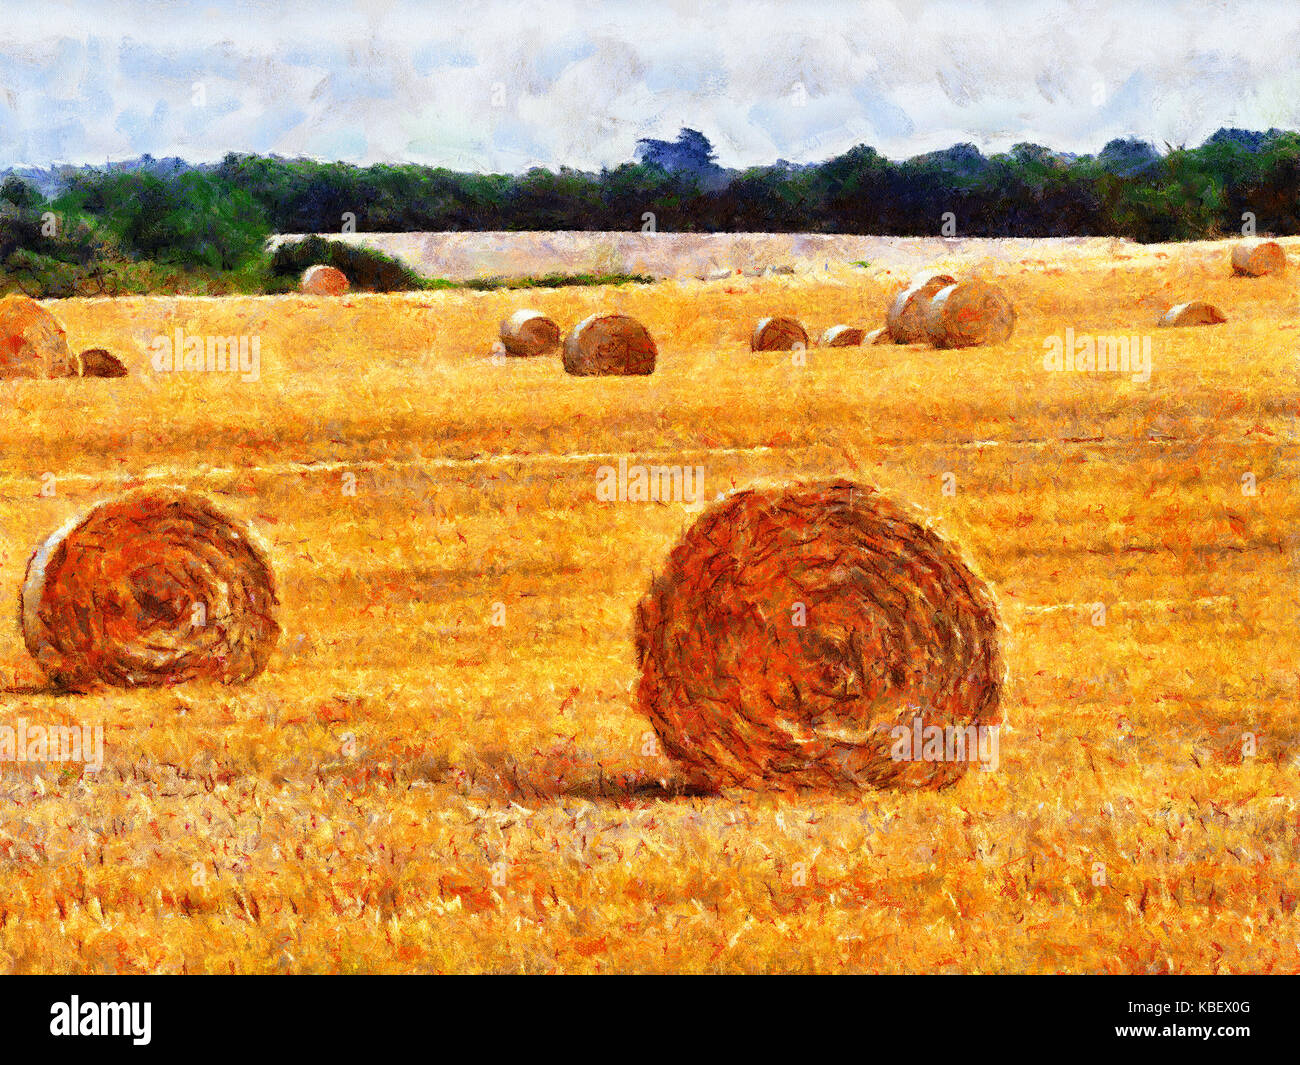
column 778, row 334
column 32, row 342
column 877, row 336
column 794, row 630
column 1258, row 259
column 1195, row 312
column 906, row 317
column 153, row 587
column 528, row 333
column 96, row 362
column 609, row 344
column 968, row 314
column 321, row 280
column 842, row 336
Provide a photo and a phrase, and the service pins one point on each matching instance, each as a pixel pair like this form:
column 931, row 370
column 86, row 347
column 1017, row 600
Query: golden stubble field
column 410, row 787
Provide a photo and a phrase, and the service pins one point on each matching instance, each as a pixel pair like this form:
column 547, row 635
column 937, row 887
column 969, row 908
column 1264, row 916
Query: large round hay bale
column 968, row 314
column 1258, row 259
column 96, row 362
column 842, row 336
column 156, row 586
column 794, row 631
column 905, row 319
column 1194, row 312
column 778, row 334
column 528, row 333
column 32, row 342
column 610, row 344
column 877, row 336
column 322, row 280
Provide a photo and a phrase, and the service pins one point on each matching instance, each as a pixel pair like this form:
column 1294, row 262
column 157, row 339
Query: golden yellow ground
column 409, row 787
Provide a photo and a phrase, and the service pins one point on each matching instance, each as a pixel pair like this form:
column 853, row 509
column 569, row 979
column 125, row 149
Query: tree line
column 205, row 228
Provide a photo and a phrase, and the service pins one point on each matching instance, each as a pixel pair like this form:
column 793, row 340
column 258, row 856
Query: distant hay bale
column 321, row 280
column 1194, row 312
column 842, row 336
column 32, row 342
column 610, row 344
column 778, row 334
column 153, row 587
column 877, row 336
column 96, row 362
column 906, row 317
column 527, row 333
column 1258, row 259
column 794, row 630
column 970, row 313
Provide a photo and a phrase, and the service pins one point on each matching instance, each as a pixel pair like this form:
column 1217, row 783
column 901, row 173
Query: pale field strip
column 156, row 473
column 681, row 256
column 1207, row 602
column 159, row 473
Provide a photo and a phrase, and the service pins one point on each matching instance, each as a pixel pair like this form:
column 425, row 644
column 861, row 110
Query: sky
column 504, row 86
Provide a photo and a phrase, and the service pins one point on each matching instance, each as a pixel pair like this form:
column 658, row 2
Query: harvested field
column 442, row 767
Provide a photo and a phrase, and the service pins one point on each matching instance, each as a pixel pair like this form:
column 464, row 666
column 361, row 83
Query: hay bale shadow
column 48, row 689
column 546, row 777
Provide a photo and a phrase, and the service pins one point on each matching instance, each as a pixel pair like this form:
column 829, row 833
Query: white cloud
column 500, row 85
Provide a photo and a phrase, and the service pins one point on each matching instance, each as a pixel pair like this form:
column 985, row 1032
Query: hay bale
column 877, row 336
column 609, row 344
column 895, row 627
column 321, row 280
column 906, row 317
column 1194, row 312
column 528, row 333
column 1256, row 259
column 156, row 586
column 32, row 342
column 96, row 362
column 778, row 334
column 842, row 336
column 968, row 314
